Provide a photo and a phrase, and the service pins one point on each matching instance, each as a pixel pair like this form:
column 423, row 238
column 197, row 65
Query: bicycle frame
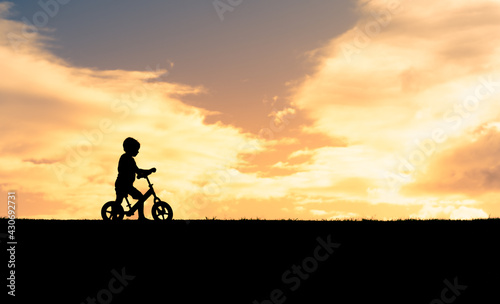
column 146, row 195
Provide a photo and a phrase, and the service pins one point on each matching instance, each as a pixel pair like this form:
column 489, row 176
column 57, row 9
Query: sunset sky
column 271, row 109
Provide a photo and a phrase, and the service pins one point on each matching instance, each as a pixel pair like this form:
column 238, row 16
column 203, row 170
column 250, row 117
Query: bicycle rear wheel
column 111, row 211
column 162, row 211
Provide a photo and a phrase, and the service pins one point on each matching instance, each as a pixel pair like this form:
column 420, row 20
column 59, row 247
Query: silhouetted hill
column 266, row 261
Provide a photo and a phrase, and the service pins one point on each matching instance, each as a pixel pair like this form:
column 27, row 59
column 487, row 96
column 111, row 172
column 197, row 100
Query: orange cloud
column 470, row 168
column 410, row 93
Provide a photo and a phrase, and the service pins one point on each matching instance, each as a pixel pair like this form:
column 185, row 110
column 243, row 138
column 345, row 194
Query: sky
column 277, row 109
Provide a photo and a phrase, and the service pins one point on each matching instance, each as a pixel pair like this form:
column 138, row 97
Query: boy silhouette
column 127, row 168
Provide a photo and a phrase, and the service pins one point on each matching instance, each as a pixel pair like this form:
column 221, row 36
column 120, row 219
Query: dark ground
column 242, row 261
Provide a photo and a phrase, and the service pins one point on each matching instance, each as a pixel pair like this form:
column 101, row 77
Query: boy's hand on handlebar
column 152, row 170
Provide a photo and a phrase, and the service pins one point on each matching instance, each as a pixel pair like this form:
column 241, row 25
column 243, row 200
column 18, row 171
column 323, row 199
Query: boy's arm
column 142, row 172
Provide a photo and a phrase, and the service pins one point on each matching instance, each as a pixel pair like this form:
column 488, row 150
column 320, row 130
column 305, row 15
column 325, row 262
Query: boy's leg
column 121, row 193
column 136, row 194
column 119, row 198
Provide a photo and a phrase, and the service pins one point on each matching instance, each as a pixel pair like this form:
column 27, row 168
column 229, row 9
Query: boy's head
column 131, row 146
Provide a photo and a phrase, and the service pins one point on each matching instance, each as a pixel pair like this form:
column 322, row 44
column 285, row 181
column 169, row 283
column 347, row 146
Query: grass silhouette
column 245, row 260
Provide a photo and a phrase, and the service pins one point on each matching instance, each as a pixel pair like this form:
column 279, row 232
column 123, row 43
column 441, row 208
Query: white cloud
column 402, row 85
column 468, row 213
column 450, row 210
column 318, row 212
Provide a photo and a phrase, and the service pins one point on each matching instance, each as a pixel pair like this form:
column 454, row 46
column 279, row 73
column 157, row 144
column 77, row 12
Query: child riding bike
column 127, row 169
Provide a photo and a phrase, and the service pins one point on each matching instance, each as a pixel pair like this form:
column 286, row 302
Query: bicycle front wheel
column 162, row 211
column 111, row 211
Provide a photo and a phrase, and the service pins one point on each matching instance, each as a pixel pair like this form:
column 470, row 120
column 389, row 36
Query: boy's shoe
column 129, row 213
